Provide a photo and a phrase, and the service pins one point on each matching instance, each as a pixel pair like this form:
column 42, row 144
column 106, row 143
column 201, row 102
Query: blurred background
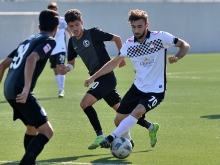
column 195, row 21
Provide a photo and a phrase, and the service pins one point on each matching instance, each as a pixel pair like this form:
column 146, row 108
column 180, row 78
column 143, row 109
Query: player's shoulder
column 130, row 40
column 94, row 29
column 158, row 34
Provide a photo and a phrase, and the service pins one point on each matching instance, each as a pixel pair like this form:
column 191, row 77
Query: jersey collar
column 147, row 36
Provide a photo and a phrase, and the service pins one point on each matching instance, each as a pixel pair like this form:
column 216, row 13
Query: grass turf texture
column 189, row 119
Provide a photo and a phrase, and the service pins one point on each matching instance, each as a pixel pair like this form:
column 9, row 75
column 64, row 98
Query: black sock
column 27, row 140
column 110, row 138
column 93, row 118
column 144, row 123
column 34, row 149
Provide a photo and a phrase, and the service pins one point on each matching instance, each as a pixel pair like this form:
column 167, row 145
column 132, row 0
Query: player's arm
column 183, row 49
column 118, row 43
column 108, row 67
column 4, row 65
column 63, row 69
column 28, row 74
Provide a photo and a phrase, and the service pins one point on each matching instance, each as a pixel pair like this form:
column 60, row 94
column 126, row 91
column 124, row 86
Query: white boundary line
column 68, row 162
column 192, row 72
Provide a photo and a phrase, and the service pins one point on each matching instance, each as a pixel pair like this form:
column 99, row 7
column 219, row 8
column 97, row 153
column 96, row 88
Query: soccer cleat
column 153, row 135
column 105, row 143
column 61, row 94
column 95, row 144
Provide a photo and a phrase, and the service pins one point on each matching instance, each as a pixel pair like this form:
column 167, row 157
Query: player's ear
column 39, row 26
column 147, row 24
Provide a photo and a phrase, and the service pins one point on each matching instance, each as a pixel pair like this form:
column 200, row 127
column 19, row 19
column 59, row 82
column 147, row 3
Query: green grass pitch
column 189, row 119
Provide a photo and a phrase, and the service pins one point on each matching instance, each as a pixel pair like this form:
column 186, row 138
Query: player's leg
column 97, row 92
column 146, row 103
column 54, row 67
column 61, row 78
column 113, row 99
column 34, row 115
column 45, row 132
column 86, row 104
column 30, row 133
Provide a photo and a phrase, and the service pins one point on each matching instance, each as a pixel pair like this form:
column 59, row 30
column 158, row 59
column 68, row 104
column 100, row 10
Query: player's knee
column 31, row 130
column 117, row 121
column 84, row 104
column 138, row 112
column 48, row 133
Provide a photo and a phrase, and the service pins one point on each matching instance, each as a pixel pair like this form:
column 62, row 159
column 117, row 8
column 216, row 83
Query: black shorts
column 134, row 96
column 30, row 113
column 57, row 59
column 104, row 87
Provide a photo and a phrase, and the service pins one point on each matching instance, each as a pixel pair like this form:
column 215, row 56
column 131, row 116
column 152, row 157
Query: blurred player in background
column 25, row 65
column 147, row 51
column 58, row 55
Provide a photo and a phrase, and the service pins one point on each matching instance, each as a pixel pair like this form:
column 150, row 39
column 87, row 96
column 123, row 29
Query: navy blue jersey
column 91, row 48
column 42, row 44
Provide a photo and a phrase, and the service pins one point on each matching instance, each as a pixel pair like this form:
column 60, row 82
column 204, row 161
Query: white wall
column 197, row 23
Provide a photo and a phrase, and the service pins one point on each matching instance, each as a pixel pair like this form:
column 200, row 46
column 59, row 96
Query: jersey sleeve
column 168, row 39
column 71, row 52
column 12, row 54
column 124, row 48
column 99, row 35
column 45, row 48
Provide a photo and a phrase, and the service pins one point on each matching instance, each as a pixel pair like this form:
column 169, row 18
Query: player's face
column 139, row 29
column 76, row 27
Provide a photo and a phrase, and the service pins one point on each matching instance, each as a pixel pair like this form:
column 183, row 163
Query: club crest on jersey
column 86, row 43
column 47, row 48
column 152, row 46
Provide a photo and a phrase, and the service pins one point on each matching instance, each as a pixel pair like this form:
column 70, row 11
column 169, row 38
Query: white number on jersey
column 17, row 59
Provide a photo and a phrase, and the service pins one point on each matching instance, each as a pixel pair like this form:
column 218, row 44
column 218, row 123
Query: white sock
column 124, row 126
column 151, row 127
column 103, row 136
column 61, row 79
column 56, row 80
column 127, row 135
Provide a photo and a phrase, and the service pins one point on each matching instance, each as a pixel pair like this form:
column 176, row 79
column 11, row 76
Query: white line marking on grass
column 192, row 72
column 185, row 77
column 69, row 162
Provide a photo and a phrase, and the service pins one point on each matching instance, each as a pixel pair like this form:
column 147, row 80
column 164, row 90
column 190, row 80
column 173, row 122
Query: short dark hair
column 135, row 15
column 52, row 6
column 48, row 20
column 73, row 15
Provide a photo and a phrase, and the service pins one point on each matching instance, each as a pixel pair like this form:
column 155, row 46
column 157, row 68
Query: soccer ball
column 121, row 148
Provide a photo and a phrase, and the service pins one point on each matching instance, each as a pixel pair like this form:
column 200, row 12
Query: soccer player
column 58, row 54
column 25, row 65
column 89, row 45
column 147, row 51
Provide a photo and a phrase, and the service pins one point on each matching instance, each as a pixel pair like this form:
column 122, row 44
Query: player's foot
column 61, row 94
column 153, row 135
column 105, row 143
column 132, row 143
column 95, row 144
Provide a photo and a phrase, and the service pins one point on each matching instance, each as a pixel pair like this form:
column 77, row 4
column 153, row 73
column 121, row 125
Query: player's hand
column 22, row 98
column 172, row 59
column 63, row 69
column 122, row 63
column 88, row 82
